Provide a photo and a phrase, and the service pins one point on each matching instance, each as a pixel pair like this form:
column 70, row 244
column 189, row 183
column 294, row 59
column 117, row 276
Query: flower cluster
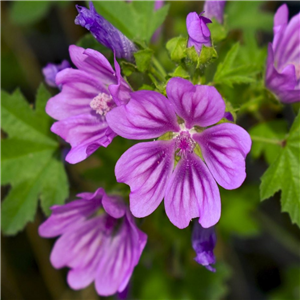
column 194, row 147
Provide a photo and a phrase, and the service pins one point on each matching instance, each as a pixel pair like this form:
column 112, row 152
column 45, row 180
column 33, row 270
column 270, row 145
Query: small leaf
column 176, row 47
column 228, row 74
column 30, row 161
column 143, row 59
column 284, row 175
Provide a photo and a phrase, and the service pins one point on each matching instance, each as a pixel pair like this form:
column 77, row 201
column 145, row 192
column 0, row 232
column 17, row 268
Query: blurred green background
column 258, row 248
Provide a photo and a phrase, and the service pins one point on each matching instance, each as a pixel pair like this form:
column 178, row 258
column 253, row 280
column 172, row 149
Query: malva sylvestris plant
column 175, row 125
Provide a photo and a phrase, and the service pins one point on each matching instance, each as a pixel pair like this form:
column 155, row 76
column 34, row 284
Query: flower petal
column 283, row 84
column 78, row 90
column 192, row 192
column 121, row 90
column 85, row 133
column 147, row 115
column 79, row 245
column 146, row 168
column 198, row 105
column 114, row 206
column 118, row 261
column 203, row 242
column 224, row 148
column 63, row 217
column 94, row 63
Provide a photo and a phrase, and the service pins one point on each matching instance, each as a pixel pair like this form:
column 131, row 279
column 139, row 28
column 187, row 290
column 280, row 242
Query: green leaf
column 137, row 20
column 228, row 74
column 248, row 15
column 28, row 12
column 284, row 175
column 274, row 130
column 31, row 161
column 143, row 59
column 177, row 48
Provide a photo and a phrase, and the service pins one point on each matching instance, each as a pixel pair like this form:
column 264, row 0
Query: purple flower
column 99, row 241
column 157, row 5
column 88, row 93
column 105, row 33
column 189, row 189
column 50, row 71
column 204, row 241
column 214, row 9
column 283, row 62
column 198, row 31
column 228, row 115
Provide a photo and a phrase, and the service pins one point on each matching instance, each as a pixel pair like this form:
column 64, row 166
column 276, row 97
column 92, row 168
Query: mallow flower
column 99, row 241
column 283, row 62
column 87, row 94
column 214, row 9
column 50, row 71
column 203, row 242
column 198, row 31
column 171, row 167
column 105, row 33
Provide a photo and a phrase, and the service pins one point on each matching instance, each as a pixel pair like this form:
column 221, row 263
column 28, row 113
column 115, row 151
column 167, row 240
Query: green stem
column 159, row 67
column 158, row 75
column 266, row 140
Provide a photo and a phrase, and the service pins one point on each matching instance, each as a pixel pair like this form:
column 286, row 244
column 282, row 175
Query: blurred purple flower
column 87, row 94
column 190, row 190
column 283, row 62
column 50, row 71
column 157, row 5
column 203, row 242
column 228, row 115
column 214, row 9
column 99, row 241
column 105, row 33
column 198, row 31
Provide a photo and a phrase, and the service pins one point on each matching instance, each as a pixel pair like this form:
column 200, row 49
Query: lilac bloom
column 50, row 71
column 157, row 5
column 283, row 62
column 228, row 115
column 214, row 9
column 198, row 31
column 99, row 241
column 105, row 33
column 203, row 242
column 189, row 189
column 88, row 93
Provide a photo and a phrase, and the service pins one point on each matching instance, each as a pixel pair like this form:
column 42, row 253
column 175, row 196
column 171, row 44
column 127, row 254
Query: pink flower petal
column 147, row 115
column 146, row 168
column 85, row 133
column 224, row 148
column 198, row 105
column 192, row 192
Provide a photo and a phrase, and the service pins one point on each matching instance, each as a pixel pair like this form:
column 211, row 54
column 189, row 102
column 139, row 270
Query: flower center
column 184, row 143
column 102, row 104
